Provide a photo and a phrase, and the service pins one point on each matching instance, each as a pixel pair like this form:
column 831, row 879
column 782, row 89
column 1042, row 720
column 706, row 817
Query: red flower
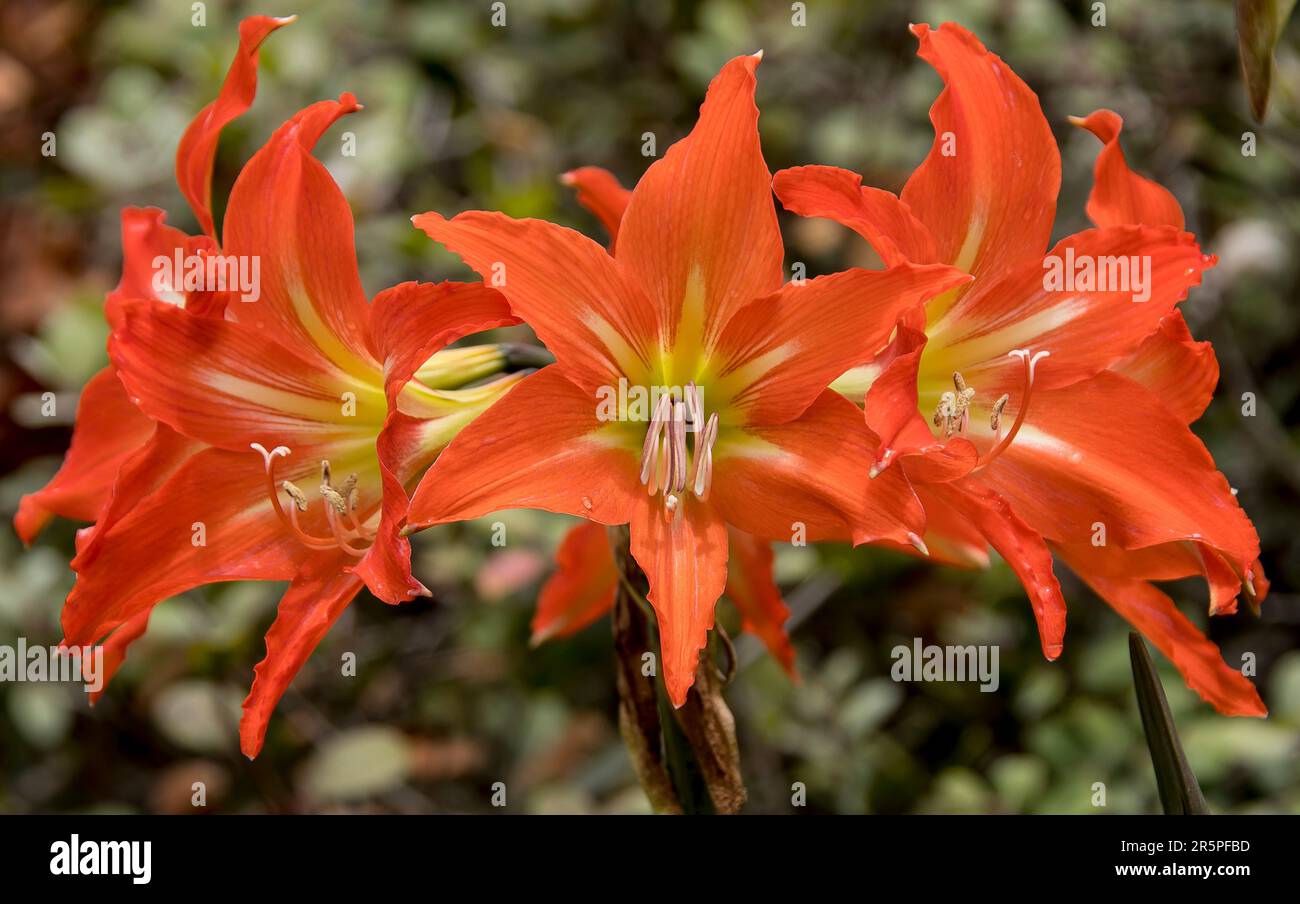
column 744, row 432
column 1041, row 409
column 240, row 400
column 583, row 586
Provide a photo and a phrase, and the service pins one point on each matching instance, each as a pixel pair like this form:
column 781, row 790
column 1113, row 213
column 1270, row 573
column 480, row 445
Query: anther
column 298, row 496
column 678, row 434
column 650, row 450
column 336, row 501
column 995, row 418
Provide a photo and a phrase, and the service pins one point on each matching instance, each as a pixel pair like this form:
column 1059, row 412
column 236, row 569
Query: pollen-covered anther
column 953, row 412
column 298, row 496
column 334, row 499
column 995, row 416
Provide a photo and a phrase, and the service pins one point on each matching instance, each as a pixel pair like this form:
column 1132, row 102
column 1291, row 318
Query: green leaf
column 1259, row 25
column 1179, row 792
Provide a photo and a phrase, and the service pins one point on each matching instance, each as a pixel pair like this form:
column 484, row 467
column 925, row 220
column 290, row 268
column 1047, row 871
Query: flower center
column 671, row 462
column 952, row 414
column 340, row 505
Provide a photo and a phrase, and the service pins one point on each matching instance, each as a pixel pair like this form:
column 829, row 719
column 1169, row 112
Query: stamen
column 995, row 418
column 667, row 463
column 678, row 435
column 335, row 500
column 702, row 472
column 337, row 504
column 946, row 412
column 650, row 450
column 268, row 459
column 339, row 538
column 298, row 496
column 694, row 407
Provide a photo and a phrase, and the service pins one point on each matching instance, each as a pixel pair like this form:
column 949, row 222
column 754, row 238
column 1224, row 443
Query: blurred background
column 449, row 697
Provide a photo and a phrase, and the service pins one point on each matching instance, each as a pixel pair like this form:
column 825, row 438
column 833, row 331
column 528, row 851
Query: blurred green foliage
column 448, row 697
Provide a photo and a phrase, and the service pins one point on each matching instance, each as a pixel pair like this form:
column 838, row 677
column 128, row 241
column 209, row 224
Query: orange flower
column 190, row 450
column 743, row 431
column 1044, row 407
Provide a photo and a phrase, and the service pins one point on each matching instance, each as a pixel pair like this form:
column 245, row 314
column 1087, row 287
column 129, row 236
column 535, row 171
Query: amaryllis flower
column 1044, row 407
column 583, row 586
column 690, row 309
column 286, row 427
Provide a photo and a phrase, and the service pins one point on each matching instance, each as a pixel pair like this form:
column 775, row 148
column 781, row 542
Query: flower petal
column 685, row 561
column 198, row 146
column 541, row 446
column 145, row 239
column 949, row 537
column 810, row 477
column 583, row 586
column 1158, row 619
column 1120, row 196
column 408, row 324
column 1025, row 551
column 115, row 648
column 564, row 285
column 779, row 353
column 1106, row 451
column 987, row 190
column 287, row 214
column 1176, row 368
column 1085, row 329
column 318, row 595
column 878, row 216
column 751, row 587
column 140, row 473
column 600, row 192
column 700, row 234
column 211, row 521
column 108, row 430
column 229, row 385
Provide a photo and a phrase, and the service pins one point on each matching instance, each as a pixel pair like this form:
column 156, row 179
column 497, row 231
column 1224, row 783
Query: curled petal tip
column 286, row 20
column 917, row 542
column 567, row 178
column 758, row 54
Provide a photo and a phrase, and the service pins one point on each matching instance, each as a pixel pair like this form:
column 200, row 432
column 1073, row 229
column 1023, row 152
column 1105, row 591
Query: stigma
column 339, row 503
column 671, row 463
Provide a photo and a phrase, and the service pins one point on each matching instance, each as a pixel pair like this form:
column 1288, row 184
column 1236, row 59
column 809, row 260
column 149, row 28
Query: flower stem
column 686, row 759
